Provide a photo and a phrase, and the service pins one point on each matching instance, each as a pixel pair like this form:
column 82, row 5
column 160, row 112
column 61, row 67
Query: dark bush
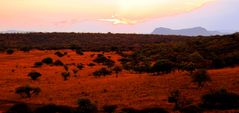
column 91, row 64
column 153, row 110
column 109, row 108
column 10, row 51
column 220, row 99
column 102, row 72
column 80, row 66
column 59, row 54
column 86, row 106
column 58, row 63
column 129, row 110
column 100, row 58
column 162, row 66
column 27, row 91
column 79, row 52
column 51, row 108
column 19, row 108
column 25, row 49
column 65, row 75
column 47, row 60
column 34, row 75
column 38, row 64
column 200, row 77
column 117, row 70
column 191, row 109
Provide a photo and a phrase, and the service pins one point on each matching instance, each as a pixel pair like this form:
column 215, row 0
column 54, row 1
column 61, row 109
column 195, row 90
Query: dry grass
column 128, row 90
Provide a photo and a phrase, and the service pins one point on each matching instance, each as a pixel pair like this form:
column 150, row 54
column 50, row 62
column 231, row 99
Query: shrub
column 162, row 66
column 86, row 106
column 47, row 60
column 191, row 109
column 66, row 67
column 129, row 110
column 10, row 51
column 38, row 64
column 200, row 77
column 59, row 54
column 109, row 108
column 220, row 99
column 117, row 70
column 109, row 63
column 25, row 49
column 58, row 63
column 75, row 71
column 174, row 97
column 80, row 66
column 91, row 64
column 102, row 71
column 100, row 58
column 27, row 91
column 65, row 75
column 153, row 110
column 79, row 52
column 51, row 108
column 19, row 108
column 34, row 75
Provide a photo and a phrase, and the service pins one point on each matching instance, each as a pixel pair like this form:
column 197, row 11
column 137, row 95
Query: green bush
column 47, row 60
column 34, row 75
column 27, row 91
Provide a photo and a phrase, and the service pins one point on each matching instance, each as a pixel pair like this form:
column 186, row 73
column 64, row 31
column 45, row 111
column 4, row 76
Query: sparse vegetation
column 91, row 64
column 58, row 63
column 38, row 64
column 220, row 99
column 201, row 77
column 27, row 91
column 86, row 106
column 80, row 66
column 65, row 75
column 59, row 54
column 34, row 75
column 102, row 72
column 47, row 60
column 10, row 51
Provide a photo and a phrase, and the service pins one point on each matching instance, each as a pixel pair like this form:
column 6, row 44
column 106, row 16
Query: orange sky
column 52, row 14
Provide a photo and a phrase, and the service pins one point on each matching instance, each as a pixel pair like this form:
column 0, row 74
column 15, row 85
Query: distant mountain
column 196, row 31
column 14, row 31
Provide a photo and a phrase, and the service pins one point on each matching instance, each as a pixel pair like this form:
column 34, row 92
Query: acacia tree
column 200, row 77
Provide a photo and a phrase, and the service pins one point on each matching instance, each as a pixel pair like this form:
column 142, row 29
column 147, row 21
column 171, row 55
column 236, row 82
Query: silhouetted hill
column 196, row 31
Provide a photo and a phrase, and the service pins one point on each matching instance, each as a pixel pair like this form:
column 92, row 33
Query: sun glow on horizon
column 59, row 12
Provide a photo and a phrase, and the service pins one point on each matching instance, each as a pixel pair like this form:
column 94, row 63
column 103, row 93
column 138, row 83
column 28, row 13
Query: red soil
column 128, row 90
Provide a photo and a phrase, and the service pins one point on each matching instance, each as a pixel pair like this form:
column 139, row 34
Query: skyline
column 127, row 16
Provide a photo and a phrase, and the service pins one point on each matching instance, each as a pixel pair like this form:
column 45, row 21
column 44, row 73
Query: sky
column 123, row 16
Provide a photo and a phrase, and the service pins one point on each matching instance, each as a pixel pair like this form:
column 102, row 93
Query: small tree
column 65, row 75
column 117, row 70
column 79, row 52
column 201, row 77
column 47, row 60
column 86, row 106
column 27, row 91
column 34, row 75
column 10, row 51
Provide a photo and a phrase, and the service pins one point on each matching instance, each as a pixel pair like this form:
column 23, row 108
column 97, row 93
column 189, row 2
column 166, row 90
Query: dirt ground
column 128, row 90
